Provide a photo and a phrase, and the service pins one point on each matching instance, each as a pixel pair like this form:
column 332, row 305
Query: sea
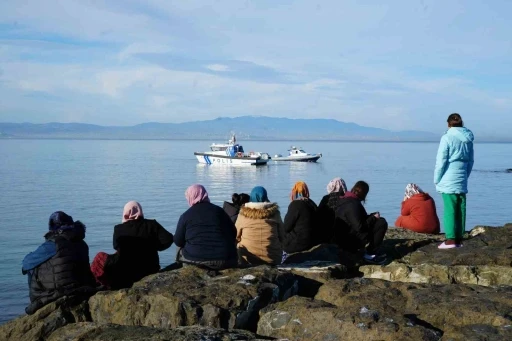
column 92, row 180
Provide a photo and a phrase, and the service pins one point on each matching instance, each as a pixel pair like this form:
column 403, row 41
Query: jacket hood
column 75, row 234
column 462, row 133
column 259, row 210
column 230, row 208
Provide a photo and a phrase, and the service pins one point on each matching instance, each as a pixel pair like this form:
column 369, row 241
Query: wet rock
column 485, row 259
column 39, row 326
column 438, row 307
column 301, row 318
column 192, row 296
column 110, row 332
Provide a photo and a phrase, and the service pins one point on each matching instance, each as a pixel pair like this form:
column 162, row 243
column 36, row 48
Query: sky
column 398, row 65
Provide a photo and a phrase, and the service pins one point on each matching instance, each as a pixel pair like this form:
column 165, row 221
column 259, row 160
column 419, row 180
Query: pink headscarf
column 132, row 210
column 196, row 194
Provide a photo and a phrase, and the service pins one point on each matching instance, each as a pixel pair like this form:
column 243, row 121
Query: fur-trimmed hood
column 259, row 210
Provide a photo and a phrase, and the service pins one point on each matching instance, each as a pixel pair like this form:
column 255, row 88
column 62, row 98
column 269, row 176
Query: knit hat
column 60, row 221
column 259, row 194
column 299, row 190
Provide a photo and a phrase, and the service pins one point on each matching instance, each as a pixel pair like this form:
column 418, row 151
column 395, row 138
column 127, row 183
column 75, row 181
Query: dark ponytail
column 454, row 120
column 240, row 199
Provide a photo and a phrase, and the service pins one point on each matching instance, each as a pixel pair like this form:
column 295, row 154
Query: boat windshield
column 302, row 151
column 218, row 148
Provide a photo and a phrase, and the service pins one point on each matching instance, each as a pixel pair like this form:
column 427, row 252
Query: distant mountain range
column 245, row 127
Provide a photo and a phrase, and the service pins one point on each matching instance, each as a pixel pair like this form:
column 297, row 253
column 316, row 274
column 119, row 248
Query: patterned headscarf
column 132, row 211
column 196, row 194
column 337, row 185
column 299, row 190
column 411, row 190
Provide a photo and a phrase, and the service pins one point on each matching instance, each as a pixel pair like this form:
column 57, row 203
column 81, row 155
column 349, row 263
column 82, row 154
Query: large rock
column 193, row 296
column 302, row 318
column 110, row 332
column 485, row 259
column 452, row 308
column 39, row 326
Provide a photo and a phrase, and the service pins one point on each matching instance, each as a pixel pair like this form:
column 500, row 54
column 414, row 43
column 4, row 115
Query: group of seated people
column 249, row 231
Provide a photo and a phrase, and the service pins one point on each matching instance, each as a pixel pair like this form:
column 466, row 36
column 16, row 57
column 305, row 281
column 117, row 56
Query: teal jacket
column 454, row 162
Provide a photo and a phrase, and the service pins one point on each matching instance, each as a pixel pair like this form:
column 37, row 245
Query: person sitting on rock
column 137, row 241
column 355, row 229
column 205, row 234
column 60, row 266
column 300, row 221
column 258, row 227
column 232, row 209
column 418, row 211
column 324, row 231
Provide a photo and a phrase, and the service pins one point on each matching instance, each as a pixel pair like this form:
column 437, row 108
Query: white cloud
column 218, row 67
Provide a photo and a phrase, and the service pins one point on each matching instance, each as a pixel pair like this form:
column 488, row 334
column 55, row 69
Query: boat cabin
column 297, row 151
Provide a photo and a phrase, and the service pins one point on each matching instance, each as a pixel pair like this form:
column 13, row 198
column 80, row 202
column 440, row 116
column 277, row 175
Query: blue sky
column 390, row 64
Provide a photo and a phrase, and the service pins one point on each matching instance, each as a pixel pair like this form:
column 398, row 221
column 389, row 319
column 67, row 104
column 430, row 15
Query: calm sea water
column 92, row 180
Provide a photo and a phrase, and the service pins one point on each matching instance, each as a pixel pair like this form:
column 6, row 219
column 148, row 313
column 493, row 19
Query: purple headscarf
column 196, row 194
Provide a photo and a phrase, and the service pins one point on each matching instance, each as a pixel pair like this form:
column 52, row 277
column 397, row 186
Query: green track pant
column 454, row 215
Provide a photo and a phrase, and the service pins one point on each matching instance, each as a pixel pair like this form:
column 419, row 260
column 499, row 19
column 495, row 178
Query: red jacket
column 419, row 214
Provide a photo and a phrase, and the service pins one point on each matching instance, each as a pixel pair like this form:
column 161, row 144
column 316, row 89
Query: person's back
column 418, row 211
column 299, row 224
column 137, row 243
column 60, row 266
column 258, row 228
column 326, row 213
column 209, row 233
column 233, row 208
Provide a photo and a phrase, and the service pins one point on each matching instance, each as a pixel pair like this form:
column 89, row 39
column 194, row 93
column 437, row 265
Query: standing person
column 454, row 163
column 60, row 266
column 258, row 230
column 418, row 212
column 300, row 220
column 205, row 234
column 137, row 242
column 324, row 232
column 355, row 229
column 233, row 208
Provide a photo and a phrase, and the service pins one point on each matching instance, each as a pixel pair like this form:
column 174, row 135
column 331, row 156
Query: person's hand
column 377, row 215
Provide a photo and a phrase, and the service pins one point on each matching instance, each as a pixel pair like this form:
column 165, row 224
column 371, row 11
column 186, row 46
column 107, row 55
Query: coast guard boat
column 298, row 155
column 231, row 153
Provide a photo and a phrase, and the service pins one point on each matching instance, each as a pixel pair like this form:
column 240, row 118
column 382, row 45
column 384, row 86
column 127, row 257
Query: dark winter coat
column 206, row 233
column 59, row 267
column 232, row 210
column 324, row 231
column 137, row 243
column 352, row 223
column 299, row 223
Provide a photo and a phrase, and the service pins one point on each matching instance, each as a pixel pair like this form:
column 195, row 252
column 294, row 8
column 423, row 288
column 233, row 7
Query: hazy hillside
column 246, row 127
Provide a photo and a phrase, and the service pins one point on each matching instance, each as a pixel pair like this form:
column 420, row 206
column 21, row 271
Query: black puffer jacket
column 66, row 273
column 299, row 223
column 232, row 210
column 352, row 224
column 324, row 232
column 137, row 243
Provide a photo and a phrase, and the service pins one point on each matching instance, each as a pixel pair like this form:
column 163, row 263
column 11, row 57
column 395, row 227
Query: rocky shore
column 423, row 294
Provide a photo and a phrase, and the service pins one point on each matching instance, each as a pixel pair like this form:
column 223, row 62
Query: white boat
column 297, row 155
column 231, row 153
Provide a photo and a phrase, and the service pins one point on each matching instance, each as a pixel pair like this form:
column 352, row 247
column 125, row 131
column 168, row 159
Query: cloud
column 398, row 66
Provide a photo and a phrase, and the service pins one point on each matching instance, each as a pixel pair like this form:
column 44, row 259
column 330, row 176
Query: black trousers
column 210, row 264
column 376, row 233
column 350, row 241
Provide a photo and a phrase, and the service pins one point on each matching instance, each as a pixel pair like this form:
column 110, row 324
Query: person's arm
column 291, row 217
column 471, row 160
column 406, row 208
column 239, row 229
column 441, row 160
column 179, row 235
column 280, row 226
column 164, row 237
column 358, row 220
column 44, row 252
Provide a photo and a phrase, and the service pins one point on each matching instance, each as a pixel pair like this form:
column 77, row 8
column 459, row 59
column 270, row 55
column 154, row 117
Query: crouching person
column 205, row 234
column 60, row 266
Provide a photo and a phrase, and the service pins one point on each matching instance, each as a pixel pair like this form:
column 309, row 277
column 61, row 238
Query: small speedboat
column 297, row 155
column 231, row 153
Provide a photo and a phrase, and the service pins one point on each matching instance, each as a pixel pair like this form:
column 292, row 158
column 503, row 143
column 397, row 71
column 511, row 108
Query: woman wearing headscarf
column 258, row 227
column 60, row 266
column 205, row 233
column 300, row 220
column 233, row 208
column 418, row 211
column 324, row 232
column 137, row 241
